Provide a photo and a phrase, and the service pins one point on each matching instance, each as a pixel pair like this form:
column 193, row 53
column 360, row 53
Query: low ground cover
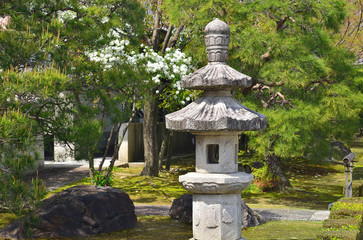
column 315, row 186
column 345, row 220
column 161, row 227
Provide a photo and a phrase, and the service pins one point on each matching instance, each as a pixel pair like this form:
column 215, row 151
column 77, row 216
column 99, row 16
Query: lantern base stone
column 217, row 217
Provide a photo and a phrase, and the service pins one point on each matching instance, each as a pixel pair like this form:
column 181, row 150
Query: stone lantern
column 216, row 119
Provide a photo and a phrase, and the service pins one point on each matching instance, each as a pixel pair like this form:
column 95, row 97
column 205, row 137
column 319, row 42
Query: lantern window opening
column 213, row 154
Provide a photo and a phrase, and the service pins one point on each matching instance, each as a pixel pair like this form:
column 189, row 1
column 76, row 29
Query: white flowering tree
column 159, row 74
column 44, row 67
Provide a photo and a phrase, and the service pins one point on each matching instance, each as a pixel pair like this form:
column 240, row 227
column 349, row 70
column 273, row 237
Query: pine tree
column 303, row 82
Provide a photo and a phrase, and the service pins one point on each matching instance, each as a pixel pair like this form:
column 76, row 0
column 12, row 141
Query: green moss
column 156, row 190
column 283, row 230
column 346, row 213
column 148, row 228
column 357, row 190
column 161, row 227
column 339, row 234
column 342, row 223
column 6, row 218
column 83, row 181
column 353, row 205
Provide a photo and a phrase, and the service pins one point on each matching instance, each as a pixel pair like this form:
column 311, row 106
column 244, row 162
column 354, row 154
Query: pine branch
column 273, row 96
column 262, row 82
column 176, row 36
column 3, row 169
column 319, row 82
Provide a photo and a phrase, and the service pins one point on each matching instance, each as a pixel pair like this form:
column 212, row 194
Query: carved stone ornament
column 212, row 221
column 227, row 217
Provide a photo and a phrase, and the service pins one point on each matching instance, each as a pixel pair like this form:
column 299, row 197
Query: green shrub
column 357, row 190
column 100, row 178
column 263, row 181
column 358, row 173
column 346, row 213
column 354, row 205
column 352, row 200
column 339, row 234
column 352, row 223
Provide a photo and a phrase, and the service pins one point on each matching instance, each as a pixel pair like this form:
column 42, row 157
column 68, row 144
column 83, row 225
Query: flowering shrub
column 263, row 180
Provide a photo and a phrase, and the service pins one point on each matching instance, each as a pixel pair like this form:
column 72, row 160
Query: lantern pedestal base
column 217, row 217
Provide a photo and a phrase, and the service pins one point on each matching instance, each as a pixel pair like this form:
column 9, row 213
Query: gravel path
column 268, row 214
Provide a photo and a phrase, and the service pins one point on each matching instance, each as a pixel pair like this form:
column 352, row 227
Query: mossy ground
column 160, row 227
column 6, row 218
column 315, row 186
column 301, row 230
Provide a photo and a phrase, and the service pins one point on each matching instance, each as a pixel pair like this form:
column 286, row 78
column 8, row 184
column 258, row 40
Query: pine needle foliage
column 303, row 81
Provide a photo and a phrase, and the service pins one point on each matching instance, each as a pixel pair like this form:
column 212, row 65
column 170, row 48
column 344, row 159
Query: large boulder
column 250, row 218
column 79, row 211
column 181, row 209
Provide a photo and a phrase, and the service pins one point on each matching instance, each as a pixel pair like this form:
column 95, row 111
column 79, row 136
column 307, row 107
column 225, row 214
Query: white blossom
column 105, row 20
column 67, row 15
column 173, row 65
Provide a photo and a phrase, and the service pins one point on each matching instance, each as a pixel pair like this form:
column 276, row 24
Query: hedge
column 345, row 220
column 340, row 234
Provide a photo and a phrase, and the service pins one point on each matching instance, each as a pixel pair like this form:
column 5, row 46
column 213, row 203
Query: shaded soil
column 54, row 178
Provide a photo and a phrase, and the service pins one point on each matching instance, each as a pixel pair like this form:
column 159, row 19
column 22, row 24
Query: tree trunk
column 275, row 167
column 150, row 137
column 170, row 151
column 163, row 148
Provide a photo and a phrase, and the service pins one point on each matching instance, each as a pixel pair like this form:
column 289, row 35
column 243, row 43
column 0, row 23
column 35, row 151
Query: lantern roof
column 217, row 110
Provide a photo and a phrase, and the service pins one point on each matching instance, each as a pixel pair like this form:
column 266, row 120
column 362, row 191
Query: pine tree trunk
column 163, row 147
column 170, row 151
column 275, row 167
column 150, row 137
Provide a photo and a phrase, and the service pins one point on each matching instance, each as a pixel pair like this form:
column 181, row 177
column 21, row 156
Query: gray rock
column 79, row 211
column 181, row 210
column 250, row 218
